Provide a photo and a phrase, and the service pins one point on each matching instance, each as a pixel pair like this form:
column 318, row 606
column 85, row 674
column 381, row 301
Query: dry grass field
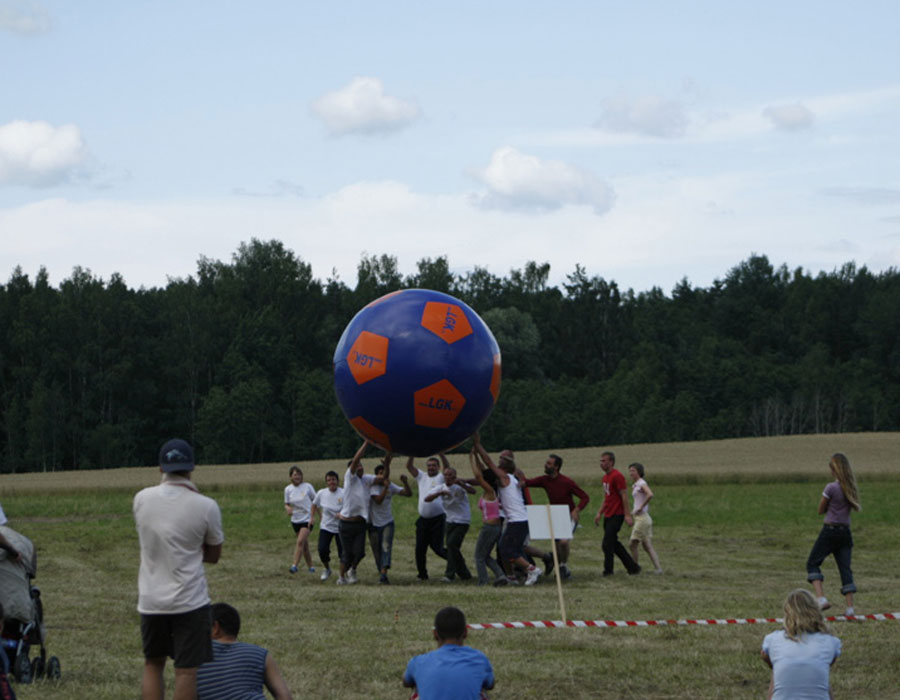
column 733, row 521
column 740, row 460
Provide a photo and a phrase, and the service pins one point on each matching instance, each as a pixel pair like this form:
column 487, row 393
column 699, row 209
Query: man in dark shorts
column 179, row 529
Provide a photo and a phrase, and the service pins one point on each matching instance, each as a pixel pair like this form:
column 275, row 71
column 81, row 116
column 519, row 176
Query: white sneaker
column 351, row 576
column 325, row 574
column 534, row 574
column 849, row 612
column 823, row 603
column 343, row 581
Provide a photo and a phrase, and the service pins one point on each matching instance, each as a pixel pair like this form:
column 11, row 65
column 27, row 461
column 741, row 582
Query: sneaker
column 548, row 564
column 293, row 569
column 312, row 569
column 422, row 577
column 383, row 579
column 849, row 612
column 502, row 581
column 446, row 579
column 657, row 571
column 564, row 571
column 325, row 574
column 351, row 576
column 534, row 573
column 635, row 571
column 823, row 603
column 343, row 581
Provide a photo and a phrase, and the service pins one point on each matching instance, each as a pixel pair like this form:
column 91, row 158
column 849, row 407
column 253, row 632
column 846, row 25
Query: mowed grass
column 733, row 520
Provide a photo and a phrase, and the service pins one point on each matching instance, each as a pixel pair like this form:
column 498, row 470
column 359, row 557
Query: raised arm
column 479, row 477
column 414, row 473
column 407, row 491
column 445, row 463
column 354, row 463
column 502, row 476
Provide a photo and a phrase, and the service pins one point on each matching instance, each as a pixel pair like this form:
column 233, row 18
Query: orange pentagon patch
column 495, row 378
column 371, row 433
column 438, row 405
column 367, row 358
column 447, row 321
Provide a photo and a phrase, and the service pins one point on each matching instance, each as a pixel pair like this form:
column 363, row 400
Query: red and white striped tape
column 542, row 624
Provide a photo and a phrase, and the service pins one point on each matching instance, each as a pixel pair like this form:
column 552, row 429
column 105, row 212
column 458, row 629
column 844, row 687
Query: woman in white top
column 298, row 499
column 802, row 654
column 642, row 530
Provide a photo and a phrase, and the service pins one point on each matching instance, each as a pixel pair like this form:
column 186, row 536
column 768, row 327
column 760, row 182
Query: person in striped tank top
column 238, row 670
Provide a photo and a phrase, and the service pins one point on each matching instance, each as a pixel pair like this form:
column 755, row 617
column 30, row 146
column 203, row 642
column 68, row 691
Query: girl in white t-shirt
column 642, row 530
column 298, row 499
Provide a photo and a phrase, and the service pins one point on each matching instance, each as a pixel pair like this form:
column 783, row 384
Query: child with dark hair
column 452, row 671
column 238, row 670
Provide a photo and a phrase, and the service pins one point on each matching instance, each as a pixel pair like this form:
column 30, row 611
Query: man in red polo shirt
column 561, row 490
column 613, row 512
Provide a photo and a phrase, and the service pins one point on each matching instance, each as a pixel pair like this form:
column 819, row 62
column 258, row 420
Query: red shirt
column 561, row 490
column 613, row 484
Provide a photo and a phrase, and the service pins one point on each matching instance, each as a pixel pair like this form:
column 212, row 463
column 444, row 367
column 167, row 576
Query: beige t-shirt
column 173, row 522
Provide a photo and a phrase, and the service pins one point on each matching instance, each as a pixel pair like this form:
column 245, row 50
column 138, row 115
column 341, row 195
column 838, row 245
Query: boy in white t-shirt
column 328, row 503
column 455, row 495
column 381, row 521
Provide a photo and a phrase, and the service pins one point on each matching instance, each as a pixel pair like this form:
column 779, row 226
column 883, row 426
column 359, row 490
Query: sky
column 646, row 142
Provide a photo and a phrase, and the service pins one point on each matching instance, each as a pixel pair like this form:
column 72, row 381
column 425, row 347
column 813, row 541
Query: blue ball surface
column 416, row 372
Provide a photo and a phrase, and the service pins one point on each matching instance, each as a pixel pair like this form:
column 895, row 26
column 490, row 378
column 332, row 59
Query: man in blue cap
column 179, row 529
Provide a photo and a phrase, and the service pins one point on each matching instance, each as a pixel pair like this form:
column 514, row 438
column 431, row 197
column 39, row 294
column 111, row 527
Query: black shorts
column 299, row 526
column 184, row 637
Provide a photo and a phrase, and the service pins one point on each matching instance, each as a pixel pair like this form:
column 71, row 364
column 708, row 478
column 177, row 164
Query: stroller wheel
column 22, row 668
column 37, row 668
column 53, row 671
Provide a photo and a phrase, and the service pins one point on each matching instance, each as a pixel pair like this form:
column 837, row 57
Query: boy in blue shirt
column 452, row 671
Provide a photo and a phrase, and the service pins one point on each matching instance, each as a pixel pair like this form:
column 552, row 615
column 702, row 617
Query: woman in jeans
column 492, row 523
column 839, row 498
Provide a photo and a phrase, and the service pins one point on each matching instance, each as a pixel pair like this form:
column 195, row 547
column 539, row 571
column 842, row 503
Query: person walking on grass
column 455, row 494
column 613, row 512
column 432, row 518
column 801, row 655
column 838, row 499
column 491, row 522
column 179, row 529
column 453, row 671
column 642, row 530
column 328, row 502
column 381, row 520
column 512, row 541
column 298, row 498
column 561, row 490
column 238, row 670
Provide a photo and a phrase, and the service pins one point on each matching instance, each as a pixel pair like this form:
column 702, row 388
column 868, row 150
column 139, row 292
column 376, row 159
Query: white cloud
column 22, row 17
column 648, row 115
column 362, row 107
column 519, row 181
column 38, row 154
column 872, row 196
column 789, row 117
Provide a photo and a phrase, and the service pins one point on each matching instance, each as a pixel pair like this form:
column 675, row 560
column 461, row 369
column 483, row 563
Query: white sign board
column 540, row 518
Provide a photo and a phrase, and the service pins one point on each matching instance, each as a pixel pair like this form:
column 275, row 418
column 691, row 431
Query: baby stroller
column 23, row 627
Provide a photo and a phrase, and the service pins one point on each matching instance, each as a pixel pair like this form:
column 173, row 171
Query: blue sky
column 645, row 141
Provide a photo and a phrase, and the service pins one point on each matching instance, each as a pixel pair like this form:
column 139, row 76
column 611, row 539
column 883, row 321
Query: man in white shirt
column 355, row 512
column 455, row 495
column 430, row 524
column 179, row 529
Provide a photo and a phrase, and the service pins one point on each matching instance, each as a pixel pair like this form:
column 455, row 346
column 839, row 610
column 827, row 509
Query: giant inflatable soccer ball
column 416, row 372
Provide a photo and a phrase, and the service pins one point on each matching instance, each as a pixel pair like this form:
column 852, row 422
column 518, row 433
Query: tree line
column 237, row 358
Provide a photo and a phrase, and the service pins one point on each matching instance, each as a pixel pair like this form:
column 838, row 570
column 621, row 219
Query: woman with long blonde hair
column 801, row 654
column 838, row 499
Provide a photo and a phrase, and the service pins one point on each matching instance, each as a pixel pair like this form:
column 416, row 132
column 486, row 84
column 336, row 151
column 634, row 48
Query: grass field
column 733, row 521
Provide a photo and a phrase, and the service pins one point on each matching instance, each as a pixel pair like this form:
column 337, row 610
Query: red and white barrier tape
column 541, row 624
